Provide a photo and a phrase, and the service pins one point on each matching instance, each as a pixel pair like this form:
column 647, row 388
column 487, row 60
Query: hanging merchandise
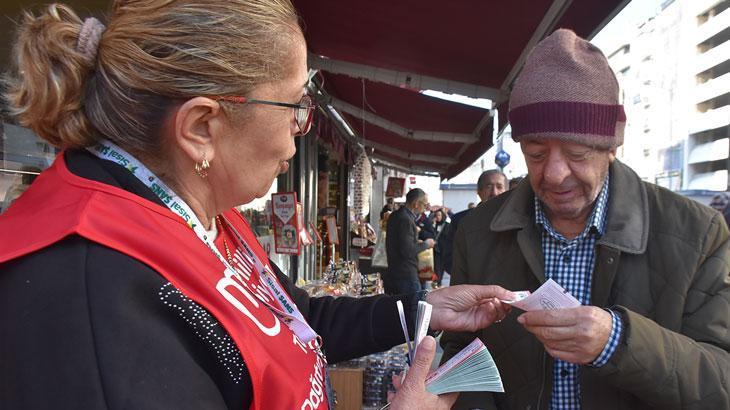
column 304, row 238
column 380, row 257
column 363, row 176
column 363, row 234
column 286, row 222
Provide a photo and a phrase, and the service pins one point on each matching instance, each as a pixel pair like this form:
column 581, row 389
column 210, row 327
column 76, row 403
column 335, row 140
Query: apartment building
column 709, row 132
column 674, row 72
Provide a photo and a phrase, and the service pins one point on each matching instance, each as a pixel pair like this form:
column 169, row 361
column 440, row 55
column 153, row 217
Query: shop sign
column 395, row 187
column 331, row 223
column 286, row 222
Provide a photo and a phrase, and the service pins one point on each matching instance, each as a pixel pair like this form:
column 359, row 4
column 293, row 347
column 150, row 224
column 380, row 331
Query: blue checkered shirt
column 570, row 263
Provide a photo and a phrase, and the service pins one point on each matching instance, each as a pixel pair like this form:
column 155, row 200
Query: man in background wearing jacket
column 402, row 245
column 490, row 184
column 649, row 267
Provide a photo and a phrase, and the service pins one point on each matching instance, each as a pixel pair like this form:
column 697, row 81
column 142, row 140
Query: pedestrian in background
column 489, row 184
column 403, row 245
column 720, row 204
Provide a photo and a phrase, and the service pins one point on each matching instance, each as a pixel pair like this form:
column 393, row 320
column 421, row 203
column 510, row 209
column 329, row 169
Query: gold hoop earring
column 202, row 168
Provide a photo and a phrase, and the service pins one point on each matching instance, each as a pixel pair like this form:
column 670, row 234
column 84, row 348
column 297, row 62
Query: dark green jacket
column 663, row 263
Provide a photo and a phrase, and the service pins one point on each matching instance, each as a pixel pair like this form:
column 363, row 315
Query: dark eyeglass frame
column 305, row 105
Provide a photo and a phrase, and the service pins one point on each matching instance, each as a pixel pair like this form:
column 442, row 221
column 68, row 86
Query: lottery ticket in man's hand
column 519, row 295
column 549, row 296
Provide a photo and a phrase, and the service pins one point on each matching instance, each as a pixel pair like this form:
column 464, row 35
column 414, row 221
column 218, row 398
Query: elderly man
column 402, row 245
column 489, row 184
column 649, row 267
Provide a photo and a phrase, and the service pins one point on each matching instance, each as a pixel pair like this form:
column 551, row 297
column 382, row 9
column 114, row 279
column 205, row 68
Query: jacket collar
column 627, row 224
column 410, row 213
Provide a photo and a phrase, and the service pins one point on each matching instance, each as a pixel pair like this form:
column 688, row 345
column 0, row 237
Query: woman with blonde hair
column 129, row 280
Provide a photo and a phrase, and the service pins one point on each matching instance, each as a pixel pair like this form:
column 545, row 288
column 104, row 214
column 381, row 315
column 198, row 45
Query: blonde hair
column 153, row 54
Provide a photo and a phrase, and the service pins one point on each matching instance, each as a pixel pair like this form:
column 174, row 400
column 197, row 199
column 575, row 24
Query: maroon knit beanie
column 566, row 90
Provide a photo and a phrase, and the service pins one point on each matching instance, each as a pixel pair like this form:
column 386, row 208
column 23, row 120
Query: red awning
column 392, row 49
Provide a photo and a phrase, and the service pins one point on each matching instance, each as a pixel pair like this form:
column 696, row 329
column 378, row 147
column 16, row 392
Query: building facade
column 674, row 73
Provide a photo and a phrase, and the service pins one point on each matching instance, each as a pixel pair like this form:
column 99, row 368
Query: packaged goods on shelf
column 344, row 279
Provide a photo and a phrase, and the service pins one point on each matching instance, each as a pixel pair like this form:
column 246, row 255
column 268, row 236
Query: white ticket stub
column 549, row 296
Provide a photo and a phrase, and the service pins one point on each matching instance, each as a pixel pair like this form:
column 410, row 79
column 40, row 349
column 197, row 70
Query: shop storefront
column 22, row 157
column 332, row 197
column 319, row 175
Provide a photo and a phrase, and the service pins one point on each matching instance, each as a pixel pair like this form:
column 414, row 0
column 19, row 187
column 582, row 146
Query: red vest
column 285, row 373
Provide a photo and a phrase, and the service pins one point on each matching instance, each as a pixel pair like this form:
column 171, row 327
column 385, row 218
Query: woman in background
column 439, row 224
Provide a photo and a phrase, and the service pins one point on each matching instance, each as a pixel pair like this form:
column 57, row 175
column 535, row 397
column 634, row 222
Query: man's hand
column 576, row 335
column 412, row 394
column 468, row 308
column 430, row 242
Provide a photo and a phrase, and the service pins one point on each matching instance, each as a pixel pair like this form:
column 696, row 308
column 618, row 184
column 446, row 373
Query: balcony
column 711, row 89
column 710, row 181
column 710, row 151
column 713, row 26
column 620, row 62
column 698, row 7
column 712, row 57
column 717, row 118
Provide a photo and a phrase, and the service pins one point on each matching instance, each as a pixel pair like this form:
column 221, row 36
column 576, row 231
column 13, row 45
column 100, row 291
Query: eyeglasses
column 303, row 110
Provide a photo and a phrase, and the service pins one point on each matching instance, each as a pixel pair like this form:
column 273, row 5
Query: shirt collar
column 596, row 222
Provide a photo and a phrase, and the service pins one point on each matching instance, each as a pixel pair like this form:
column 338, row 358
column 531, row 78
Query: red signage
column 285, row 217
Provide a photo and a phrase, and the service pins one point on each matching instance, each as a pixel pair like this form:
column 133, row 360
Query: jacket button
column 610, row 260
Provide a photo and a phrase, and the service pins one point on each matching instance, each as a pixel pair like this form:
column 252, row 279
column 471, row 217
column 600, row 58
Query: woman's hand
column 468, row 308
column 412, row 394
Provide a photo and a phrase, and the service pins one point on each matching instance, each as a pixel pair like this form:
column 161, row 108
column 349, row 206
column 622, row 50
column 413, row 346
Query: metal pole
column 321, row 257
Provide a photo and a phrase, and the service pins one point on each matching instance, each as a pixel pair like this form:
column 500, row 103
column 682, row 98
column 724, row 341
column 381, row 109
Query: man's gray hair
column 414, row 195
